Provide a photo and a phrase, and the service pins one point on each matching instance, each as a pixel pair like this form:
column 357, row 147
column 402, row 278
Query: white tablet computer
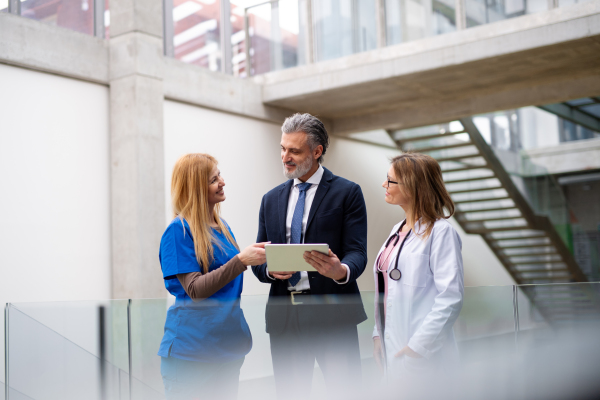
column 289, row 257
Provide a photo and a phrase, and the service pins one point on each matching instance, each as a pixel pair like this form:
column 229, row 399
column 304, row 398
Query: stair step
column 426, row 137
column 475, row 190
column 486, row 209
column 522, row 246
column 442, row 147
column 549, row 278
column 490, row 219
column 458, row 158
column 492, row 230
column 533, row 262
column 465, row 168
column 538, row 272
column 480, row 200
column 470, row 179
column 535, row 253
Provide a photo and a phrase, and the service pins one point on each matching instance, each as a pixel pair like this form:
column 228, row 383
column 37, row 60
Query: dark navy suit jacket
column 338, row 217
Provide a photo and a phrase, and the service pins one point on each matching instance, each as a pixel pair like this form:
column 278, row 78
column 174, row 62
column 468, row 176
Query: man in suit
column 314, row 206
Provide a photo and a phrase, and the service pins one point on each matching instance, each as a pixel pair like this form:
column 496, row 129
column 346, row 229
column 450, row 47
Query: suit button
column 387, row 335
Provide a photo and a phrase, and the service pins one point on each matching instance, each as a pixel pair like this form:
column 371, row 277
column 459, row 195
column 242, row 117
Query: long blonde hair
column 421, row 179
column 189, row 195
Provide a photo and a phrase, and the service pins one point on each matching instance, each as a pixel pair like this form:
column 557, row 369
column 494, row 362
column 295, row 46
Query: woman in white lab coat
column 420, row 293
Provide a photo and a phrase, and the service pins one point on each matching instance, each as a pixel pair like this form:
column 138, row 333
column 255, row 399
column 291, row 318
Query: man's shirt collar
column 315, row 179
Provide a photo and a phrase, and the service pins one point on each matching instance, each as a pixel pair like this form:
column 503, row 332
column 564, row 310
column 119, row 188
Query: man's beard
column 301, row 169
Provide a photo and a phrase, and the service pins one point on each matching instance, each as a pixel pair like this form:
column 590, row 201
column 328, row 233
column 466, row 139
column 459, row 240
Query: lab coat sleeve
column 445, row 262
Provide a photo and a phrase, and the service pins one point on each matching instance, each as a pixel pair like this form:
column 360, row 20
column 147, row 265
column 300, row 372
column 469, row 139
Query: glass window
column 480, row 12
column 343, row 27
column 107, row 19
column 77, row 15
column 275, row 37
column 408, row 20
column 196, row 32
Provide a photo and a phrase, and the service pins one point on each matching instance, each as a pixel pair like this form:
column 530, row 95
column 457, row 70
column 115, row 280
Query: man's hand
column 281, row 275
column 407, row 351
column 327, row 265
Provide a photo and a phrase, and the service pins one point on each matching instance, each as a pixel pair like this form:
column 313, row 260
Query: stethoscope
column 395, row 273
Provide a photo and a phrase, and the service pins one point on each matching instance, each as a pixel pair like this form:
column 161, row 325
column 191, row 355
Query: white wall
column 54, row 175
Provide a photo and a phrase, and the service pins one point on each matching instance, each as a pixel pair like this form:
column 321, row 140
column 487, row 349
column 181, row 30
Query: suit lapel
column 284, row 196
column 320, row 195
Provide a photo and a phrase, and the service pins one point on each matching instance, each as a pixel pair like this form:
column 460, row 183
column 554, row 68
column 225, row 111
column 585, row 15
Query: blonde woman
column 418, row 273
column 206, row 336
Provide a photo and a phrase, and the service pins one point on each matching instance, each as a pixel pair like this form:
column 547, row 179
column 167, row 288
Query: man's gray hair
column 312, row 126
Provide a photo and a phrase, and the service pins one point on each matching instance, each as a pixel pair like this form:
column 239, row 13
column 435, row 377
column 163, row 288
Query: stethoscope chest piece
column 395, row 274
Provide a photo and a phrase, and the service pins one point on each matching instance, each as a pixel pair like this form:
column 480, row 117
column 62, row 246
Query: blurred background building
column 99, row 98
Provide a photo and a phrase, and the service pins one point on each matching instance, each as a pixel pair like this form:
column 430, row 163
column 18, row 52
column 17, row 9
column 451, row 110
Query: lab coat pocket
column 415, row 271
column 415, row 365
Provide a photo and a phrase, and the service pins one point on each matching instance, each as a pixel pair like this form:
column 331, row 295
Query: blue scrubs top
column 211, row 330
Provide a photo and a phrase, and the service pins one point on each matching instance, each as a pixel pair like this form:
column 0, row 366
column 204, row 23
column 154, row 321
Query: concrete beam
column 44, row 47
column 128, row 16
column 199, row 86
column 523, row 51
column 515, row 97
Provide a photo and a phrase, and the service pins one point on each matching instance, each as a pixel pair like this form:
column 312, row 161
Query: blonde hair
column 421, row 179
column 189, row 195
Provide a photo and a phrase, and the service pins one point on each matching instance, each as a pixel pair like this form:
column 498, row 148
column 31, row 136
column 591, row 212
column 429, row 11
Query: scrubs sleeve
column 177, row 253
column 445, row 262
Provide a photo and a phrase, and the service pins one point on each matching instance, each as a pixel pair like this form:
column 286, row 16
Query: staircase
column 489, row 203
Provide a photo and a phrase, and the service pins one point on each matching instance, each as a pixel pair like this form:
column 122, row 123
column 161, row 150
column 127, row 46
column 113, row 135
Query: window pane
column 408, row 20
column 77, row 15
column 343, row 27
column 481, row 12
column 196, row 32
column 274, row 36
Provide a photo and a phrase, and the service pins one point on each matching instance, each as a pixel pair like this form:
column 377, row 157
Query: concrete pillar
column 137, row 147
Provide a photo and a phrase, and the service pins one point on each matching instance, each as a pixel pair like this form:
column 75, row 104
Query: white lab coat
column 424, row 304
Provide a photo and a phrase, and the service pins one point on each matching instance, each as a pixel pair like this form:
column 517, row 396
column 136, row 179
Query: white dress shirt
column 314, row 180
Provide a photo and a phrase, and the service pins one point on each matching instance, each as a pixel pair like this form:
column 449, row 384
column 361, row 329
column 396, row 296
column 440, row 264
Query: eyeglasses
column 390, row 181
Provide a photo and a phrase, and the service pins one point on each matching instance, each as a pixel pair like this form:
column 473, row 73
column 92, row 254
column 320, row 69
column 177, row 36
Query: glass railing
column 86, row 350
column 480, row 12
column 408, row 20
column 343, row 27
